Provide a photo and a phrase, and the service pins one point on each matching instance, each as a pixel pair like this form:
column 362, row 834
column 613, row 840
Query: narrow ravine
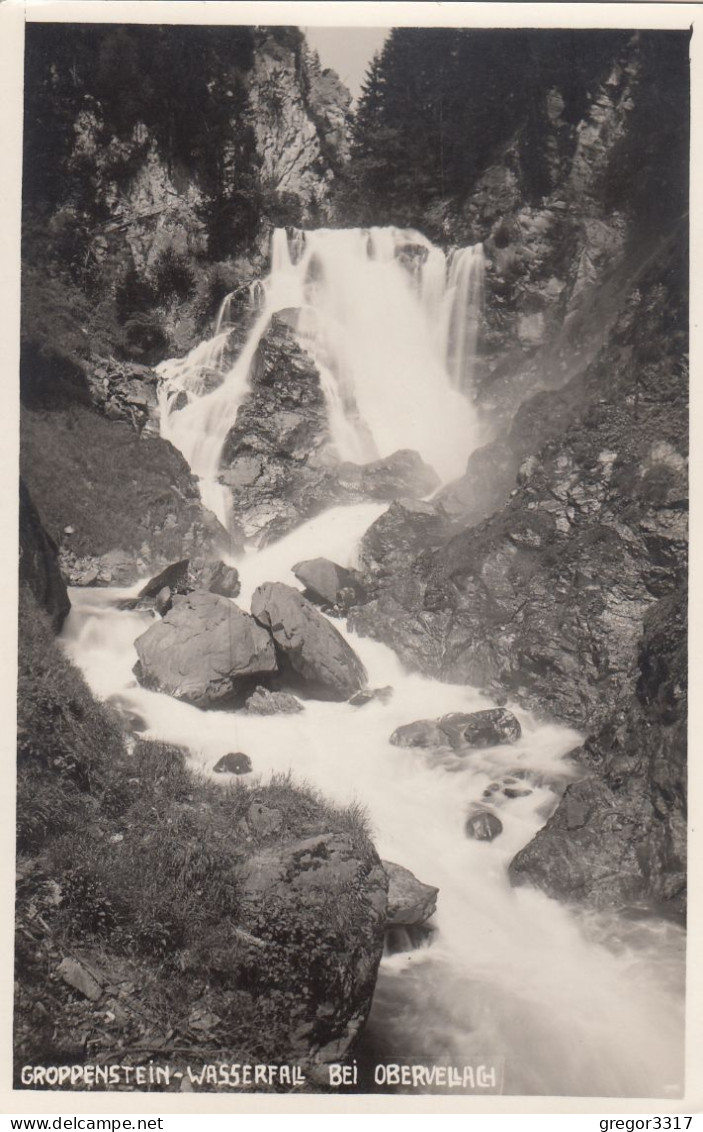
column 560, row 1002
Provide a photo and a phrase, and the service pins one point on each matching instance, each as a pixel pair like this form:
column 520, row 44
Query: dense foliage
column 439, row 104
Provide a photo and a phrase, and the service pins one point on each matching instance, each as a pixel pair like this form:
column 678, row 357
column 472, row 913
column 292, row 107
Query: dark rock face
column 330, row 957
column 205, row 651
column 312, row 654
column 619, row 835
column 489, row 728
column 137, row 511
column 483, row 826
column 329, row 584
column 125, row 391
column 410, row 901
column 39, row 563
column 272, row 457
column 233, row 763
column 264, row 702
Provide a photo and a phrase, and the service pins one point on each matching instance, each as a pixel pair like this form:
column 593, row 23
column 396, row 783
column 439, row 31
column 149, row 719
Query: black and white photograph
column 353, row 524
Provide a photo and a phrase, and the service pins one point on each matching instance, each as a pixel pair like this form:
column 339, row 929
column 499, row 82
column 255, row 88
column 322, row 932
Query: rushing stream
column 558, row 1002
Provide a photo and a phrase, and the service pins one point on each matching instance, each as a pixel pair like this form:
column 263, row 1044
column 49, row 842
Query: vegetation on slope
column 128, row 866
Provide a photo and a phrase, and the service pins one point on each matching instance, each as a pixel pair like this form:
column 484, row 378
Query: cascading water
column 558, row 1003
column 393, row 336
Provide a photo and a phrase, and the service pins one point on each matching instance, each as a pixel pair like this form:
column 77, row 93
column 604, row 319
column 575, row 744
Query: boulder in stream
column 410, row 901
column 458, row 730
column 191, row 574
column 205, row 651
column 490, row 728
column 329, row 584
column 312, row 653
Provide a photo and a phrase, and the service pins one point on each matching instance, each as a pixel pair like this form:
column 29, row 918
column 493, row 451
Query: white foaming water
column 393, row 338
column 510, row 976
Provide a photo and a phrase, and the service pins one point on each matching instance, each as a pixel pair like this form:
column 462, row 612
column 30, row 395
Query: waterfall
column 462, row 312
column 392, row 334
column 562, row 1003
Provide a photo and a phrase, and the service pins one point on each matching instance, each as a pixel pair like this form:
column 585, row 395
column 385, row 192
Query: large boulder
column 205, row 651
column 39, row 564
column 410, row 902
column 490, row 728
column 312, row 654
column 315, row 911
column 329, row 584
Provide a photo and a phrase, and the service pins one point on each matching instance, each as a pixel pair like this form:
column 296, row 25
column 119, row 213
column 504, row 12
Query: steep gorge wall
column 555, row 568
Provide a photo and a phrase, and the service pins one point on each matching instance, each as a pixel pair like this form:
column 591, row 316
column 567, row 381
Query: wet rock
column 409, row 527
column 619, row 835
column 163, row 601
column 272, row 457
column 39, row 563
column 460, row 729
column 194, row 574
column 403, row 474
column 264, row 702
column 383, row 695
column 321, row 901
column 327, row 583
column 422, row 733
column 233, row 763
column 490, row 728
column 516, row 791
column 132, row 720
column 483, row 826
column 205, row 651
column 409, row 900
column 312, row 653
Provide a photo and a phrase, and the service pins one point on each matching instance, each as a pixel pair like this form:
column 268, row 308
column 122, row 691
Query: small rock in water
column 483, row 826
column 493, row 788
column 516, row 791
column 383, row 695
column 233, row 763
column 264, row 702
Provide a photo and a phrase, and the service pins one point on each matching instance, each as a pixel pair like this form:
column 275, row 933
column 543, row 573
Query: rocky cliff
column 543, row 572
